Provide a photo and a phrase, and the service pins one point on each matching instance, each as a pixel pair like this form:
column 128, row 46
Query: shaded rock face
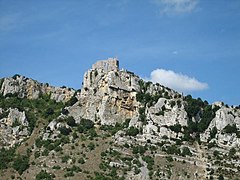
column 108, row 95
column 13, row 128
column 28, row 88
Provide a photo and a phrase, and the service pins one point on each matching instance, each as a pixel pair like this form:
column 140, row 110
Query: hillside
column 117, row 126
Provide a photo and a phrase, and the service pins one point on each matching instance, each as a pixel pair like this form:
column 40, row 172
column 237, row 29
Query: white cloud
column 176, row 81
column 176, row 6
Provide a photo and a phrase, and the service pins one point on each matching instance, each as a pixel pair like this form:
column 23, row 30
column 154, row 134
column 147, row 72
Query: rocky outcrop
column 13, row 128
column 225, row 116
column 28, row 88
column 108, row 94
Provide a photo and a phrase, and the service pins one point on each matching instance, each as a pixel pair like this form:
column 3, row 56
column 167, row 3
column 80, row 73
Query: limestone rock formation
column 28, row 88
column 108, row 94
column 225, row 116
column 13, row 128
column 120, row 126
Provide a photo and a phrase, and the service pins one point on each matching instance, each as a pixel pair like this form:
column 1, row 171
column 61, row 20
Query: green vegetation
column 173, row 150
column 65, row 131
column 232, row 152
column 16, row 76
column 44, row 175
column 193, row 106
column 213, row 132
column 186, row 152
column 43, row 107
column 72, row 101
column 139, row 149
column 132, row 131
column 6, row 157
column 21, row 163
column 114, row 129
column 91, row 146
column 232, row 129
column 196, row 108
column 85, row 125
column 71, row 121
column 150, row 161
column 176, row 128
column 144, row 97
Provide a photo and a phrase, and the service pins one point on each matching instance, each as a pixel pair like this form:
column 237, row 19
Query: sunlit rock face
column 108, row 94
column 28, row 88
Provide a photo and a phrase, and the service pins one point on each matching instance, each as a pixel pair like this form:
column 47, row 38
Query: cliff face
column 108, row 95
column 28, row 88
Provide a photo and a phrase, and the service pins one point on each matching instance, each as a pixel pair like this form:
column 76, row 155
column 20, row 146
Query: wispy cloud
column 176, row 81
column 176, row 6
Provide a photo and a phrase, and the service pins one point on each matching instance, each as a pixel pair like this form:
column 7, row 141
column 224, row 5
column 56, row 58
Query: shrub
column 232, row 152
column 44, row 175
column 169, row 158
column 71, row 101
column 193, row 106
column 173, row 150
column 186, row 152
column 150, row 161
column 81, row 161
column 230, row 129
column 176, row 128
column 65, row 131
column 132, row 131
column 91, row 146
column 16, row 76
column 21, row 163
column 220, row 177
column 71, row 121
column 49, row 112
column 37, row 154
column 65, row 111
column 86, row 124
column 213, row 132
column 139, row 149
column 6, row 156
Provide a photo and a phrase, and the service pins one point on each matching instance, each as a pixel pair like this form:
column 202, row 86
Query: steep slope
column 117, row 127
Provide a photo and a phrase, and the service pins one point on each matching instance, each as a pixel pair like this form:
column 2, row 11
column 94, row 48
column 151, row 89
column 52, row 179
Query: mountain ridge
column 131, row 114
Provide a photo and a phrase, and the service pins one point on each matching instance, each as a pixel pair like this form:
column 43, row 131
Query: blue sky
column 56, row 41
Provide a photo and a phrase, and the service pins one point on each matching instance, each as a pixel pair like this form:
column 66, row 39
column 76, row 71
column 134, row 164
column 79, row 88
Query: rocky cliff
column 28, row 88
column 118, row 127
column 108, row 95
